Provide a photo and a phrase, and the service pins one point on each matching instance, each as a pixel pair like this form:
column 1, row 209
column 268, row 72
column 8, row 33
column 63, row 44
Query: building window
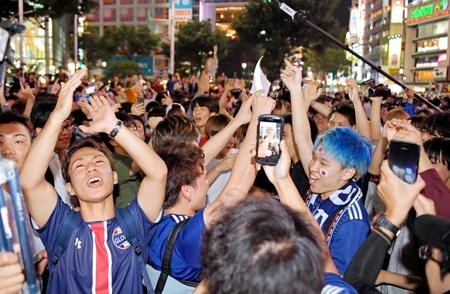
column 427, row 61
column 126, row 14
column 109, row 2
column 142, row 14
column 423, row 76
column 432, row 44
column 161, row 13
column 431, row 29
column 109, row 14
column 126, row 1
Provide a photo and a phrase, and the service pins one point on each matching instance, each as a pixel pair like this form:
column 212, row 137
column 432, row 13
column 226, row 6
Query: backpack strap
column 129, row 229
column 70, row 223
column 167, row 258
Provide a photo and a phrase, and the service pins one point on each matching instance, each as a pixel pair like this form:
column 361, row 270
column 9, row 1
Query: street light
column 244, row 66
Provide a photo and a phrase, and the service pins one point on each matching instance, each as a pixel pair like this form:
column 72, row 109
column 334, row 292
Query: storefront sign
column 429, row 10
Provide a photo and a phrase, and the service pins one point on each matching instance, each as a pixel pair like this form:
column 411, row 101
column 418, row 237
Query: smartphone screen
column 270, row 132
column 90, row 89
column 404, row 160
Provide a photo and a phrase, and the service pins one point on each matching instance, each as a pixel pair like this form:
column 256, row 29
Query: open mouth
column 95, row 182
column 313, row 179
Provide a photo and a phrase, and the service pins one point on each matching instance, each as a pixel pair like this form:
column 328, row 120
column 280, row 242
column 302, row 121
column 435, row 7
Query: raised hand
column 245, row 113
column 292, row 77
column 353, row 90
column 103, row 117
column 167, row 100
column 280, row 171
column 55, row 87
column 397, row 195
column 261, row 104
column 137, row 109
column 312, row 91
column 63, row 106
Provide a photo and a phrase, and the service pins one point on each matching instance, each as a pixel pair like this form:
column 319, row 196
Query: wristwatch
column 385, row 223
column 115, row 130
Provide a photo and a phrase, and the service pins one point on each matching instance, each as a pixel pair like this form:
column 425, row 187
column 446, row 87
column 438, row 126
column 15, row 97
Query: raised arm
column 375, row 119
column 152, row 189
column 243, row 173
column 32, row 175
column 224, row 97
column 362, row 123
column 214, row 145
column 292, row 78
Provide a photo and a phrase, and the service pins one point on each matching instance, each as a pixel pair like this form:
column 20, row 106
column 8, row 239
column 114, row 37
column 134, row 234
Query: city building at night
column 383, row 38
column 427, row 45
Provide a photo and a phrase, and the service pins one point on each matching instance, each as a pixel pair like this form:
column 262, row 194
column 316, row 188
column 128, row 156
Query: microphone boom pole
column 293, row 14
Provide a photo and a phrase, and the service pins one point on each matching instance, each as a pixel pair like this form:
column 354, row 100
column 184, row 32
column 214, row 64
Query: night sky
column 342, row 12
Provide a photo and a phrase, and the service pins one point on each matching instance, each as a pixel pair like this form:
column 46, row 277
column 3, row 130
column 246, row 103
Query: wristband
column 384, row 236
column 383, row 222
column 115, row 130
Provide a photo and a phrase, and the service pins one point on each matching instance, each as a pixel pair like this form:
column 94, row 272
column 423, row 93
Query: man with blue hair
column 333, row 164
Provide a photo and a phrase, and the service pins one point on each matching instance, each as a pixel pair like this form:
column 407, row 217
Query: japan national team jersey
column 186, row 258
column 334, row 284
column 98, row 258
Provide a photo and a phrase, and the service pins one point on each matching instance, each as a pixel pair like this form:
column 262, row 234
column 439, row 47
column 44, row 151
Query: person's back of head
column 437, row 125
column 348, row 147
column 184, row 162
column 42, row 109
column 173, row 129
column 216, row 123
column 259, row 246
column 396, row 113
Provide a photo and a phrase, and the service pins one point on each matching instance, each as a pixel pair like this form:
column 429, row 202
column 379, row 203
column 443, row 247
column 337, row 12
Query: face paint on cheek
column 323, row 172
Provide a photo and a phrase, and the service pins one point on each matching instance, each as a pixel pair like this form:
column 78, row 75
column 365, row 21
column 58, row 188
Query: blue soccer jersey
column 98, row 258
column 334, row 284
column 344, row 222
column 186, row 258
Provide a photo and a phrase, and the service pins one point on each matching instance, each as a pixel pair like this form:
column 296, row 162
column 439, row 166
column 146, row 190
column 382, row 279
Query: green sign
column 429, row 9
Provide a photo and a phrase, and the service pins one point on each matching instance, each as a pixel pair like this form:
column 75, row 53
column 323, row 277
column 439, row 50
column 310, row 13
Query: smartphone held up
column 404, row 160
column 269, row 135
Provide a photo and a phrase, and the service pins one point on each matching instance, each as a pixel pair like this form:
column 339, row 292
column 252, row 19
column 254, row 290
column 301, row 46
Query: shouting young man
column 333, row 164
column 98, row 257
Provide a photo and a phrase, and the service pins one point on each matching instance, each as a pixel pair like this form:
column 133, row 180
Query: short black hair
column 42, row 109
column 438, row 124
column 206, row 101
column 438, row 149
column 184, row 162
column 345, row 109
column 11, row 117
column 259, row 246
column 173, row 129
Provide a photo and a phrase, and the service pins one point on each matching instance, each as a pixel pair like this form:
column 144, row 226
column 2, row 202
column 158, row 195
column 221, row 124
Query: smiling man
column 333, row 163
column 15, row 137
column 98, row 257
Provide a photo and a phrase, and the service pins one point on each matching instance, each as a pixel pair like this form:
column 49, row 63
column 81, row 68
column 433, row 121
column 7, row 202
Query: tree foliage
column 263, row 23
column 121, row 68
column 195, row 40
column 124, row 40
column 51, row 8
column 330, row 60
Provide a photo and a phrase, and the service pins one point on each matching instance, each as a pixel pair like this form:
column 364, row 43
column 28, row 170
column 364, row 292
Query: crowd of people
column 144, row 185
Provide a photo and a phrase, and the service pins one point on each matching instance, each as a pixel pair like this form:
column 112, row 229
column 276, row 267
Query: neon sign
column 430, row 9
